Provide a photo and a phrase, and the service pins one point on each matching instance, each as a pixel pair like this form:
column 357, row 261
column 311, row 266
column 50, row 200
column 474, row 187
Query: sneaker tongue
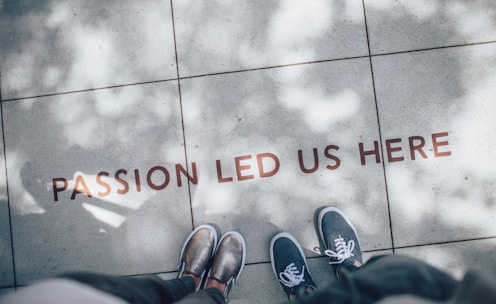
column 299, row 265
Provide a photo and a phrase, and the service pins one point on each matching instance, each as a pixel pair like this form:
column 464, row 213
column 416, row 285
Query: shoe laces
column 344, row 250
column 291, row 276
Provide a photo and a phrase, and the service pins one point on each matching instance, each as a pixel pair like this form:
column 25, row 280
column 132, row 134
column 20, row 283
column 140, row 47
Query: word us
column 246, row 167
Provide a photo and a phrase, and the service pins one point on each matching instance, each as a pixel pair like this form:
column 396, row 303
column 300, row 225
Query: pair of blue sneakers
column 341, row 243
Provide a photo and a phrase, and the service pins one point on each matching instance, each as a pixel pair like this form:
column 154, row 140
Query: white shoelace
column 291, row 276
column 344, row 250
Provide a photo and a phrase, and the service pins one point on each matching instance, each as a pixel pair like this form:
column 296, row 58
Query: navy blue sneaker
column 290, row 266
column 340, row 239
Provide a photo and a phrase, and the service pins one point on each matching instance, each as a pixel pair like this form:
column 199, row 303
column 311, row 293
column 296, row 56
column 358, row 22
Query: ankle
column 213, row 283
column 196, row 278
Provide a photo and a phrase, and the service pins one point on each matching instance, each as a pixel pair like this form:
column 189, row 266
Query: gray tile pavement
column 228, row 35
column 271, row 115
column 440, row 99
column 397, row 26
column 76, row 45
column 6, row 291
column 6, row 267
column 113, row 153
column 90, row 187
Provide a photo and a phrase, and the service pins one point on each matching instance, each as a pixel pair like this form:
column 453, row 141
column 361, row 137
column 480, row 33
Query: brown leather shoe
column 197, row 251
column 229, row 260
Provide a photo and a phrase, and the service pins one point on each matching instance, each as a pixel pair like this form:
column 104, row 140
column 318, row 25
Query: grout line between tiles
column 274, row 67
column 7, row 189
column 379, row 128
column 89, row 90
column 434, row 48
column 447, row 242
column 182, row 116
column 185, row 77
column 250, row 70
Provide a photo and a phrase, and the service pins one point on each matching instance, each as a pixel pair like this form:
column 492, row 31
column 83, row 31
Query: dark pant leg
column 146, row 290
column 385, row 276
column 207, row 296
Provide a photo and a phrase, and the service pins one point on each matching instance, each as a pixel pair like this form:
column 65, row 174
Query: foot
column 197, row 252
column 228, row 262
column 290, row 266
column 340, row 240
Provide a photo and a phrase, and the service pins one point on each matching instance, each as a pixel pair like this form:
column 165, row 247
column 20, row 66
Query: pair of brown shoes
column 224, row 261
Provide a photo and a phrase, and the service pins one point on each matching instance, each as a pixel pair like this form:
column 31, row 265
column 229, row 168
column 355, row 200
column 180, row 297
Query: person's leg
column 208, row 296
column 146, row 290
column 196, row 254
column 381, row 277
column 396, row 274
column 385, row 276
column 290, row 266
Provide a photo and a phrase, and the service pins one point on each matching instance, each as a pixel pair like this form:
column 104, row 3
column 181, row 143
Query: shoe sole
column 293, row 239
column 334, row 209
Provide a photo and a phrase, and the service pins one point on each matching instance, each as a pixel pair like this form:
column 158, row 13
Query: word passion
column 267, row 165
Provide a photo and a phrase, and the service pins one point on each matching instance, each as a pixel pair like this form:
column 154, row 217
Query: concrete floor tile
column 457, row 258
column 6, row 261
column 48, row 47
column 256, row 284
column 403, row 25
column 222, row 36
column 93, row 183
column 368, row 255
column 441, row 103
column 6, row 291
column 244, row 131
column 277, row 117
